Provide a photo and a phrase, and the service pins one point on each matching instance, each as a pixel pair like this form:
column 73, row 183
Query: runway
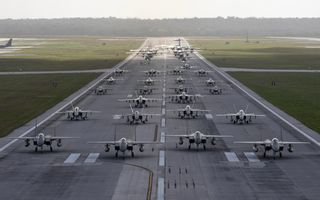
column 79, row 170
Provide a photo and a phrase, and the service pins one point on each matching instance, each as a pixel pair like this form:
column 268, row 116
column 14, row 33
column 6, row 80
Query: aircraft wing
column 62, row 137
column 218, row 136
column 90, row 111
column 183, row 136
column 201, row 111
column 142, row 142
column 127, row 100
column 252, row 142
column 103, row 142
column 254, row 115
column 227, row 115
column 153, row 100
column 287, row 142
column 151, row 114
column 23, row 138
column 65, row 112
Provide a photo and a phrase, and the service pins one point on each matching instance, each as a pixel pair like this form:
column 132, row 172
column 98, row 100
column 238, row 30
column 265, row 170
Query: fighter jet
column 184, row 98
column 76, row 113
column 146, row 90
column 8, row 44
column 180, row 89
column 101, row 90
column 189, row 112
column 112, row 81
column 210, row 82
column 198, row 138
column 119, row 72
column 176, row 71
column 276, row 145
column 149, row 81
column 241, row 116
column 123, row 145
column 140, row 101
column 187, row 66
column 135, row 116
column 152, row 72
column 41, row 139
column 202, row 72
column 180, row 80
column 215, row 90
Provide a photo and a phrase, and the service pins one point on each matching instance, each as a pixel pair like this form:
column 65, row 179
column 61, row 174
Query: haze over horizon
column 21, row 9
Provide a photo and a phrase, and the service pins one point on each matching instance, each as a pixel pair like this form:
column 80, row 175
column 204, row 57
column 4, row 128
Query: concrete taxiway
column 79, row 170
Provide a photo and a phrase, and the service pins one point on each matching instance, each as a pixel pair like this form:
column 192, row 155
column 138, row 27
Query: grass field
column 67, row 53
column 24, row 97
column 298, row 94
column 267, row 53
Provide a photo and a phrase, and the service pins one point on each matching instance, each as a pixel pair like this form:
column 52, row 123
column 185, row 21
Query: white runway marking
column 92, row 157
column 251, row 156
column 161, row 158
column 129, row 95
column 231, row 156
column 163, row 137
column 163, row 122
column 164, row 96
column 163, row 111
column 72, row 158
column 164, row 89
column 160, row 195
column 163, row 103
column 116, row 116
column 209, row 116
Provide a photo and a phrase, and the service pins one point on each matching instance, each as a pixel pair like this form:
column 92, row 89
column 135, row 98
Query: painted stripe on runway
column 163, row 103
column 161, row 158
column 164, row 96
column 251, row 156
column 163, row 137
column 209, row 116
column 116, row 116
column 92, row 157
column 129, row 95
column 163, row 122
column 72, row 158
column 163, row 111
column 231, row 156
column 160, row 195
column 164, row 89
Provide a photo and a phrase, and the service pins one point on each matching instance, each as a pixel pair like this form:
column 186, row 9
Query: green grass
column 298, row 94
column 267, row 53
column 24, row 97
column 68, row 53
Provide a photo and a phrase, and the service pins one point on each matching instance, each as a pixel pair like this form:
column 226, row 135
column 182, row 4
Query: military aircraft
column 119, row 72
column 210, row 82
column 176, row 71
column 276, row 145
column 112, row 81
column 140, row 101
column 180, row 80
column 149, row 81
column 198, row 138
column 135, row 116
column 123, row 145
column 241, row 116
column 187, row 66
column 189, row 112
column 101, row 90
column 146, row 90
column 202, row 72
column 152, row 72
column 184, row 97
column 215, row 90
column 41, row 139
column 8, row 44
column 180, row 89
column 76, row 113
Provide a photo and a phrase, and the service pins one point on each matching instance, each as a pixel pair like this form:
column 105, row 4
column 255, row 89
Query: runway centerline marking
column 129, row 95
column 161, row 158
column 163, row 137
column 160, row 194
column 251, row 156
column 92, row 157
column 163, row 103
column 164, row 89
column 72, row 158
column 231, row 156
column 209, row 116
column 163, row 111
column 163, row 122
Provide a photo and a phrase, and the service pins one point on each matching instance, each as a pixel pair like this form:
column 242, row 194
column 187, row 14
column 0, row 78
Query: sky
column 150, row 9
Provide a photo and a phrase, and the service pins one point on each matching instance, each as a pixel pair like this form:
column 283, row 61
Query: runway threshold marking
column 161, row 158
column 231, row 156
column 209, row 116
column 163, row 137
column 251, row 156
column 160, row 195
column 92, row 157
column 72, row 158
column 163, row 122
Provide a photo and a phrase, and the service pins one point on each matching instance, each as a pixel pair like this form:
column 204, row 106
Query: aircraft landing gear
column 189, row 146
column 36, row 149
column 132, row 154
column 204, row 147
column 51, row 148
column 116, row 154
